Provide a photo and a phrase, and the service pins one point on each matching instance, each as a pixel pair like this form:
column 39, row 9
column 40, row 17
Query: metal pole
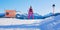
column 53, row 8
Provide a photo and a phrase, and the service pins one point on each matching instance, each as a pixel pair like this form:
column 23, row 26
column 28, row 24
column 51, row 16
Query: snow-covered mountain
column 25, row 16
column 51, row 14
column 36, row 15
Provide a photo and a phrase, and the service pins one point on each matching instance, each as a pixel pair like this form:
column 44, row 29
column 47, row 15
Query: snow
column 41, row 24
column 46, row 24
column 19, row 29
column 13, row 21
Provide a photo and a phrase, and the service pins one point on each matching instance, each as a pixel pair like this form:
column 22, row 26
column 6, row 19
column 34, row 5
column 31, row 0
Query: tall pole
column 53, row 8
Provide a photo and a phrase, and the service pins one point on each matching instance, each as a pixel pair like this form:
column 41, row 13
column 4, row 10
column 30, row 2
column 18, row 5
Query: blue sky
column 41, row 7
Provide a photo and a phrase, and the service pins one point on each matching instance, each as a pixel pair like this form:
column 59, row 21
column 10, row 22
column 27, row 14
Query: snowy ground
column 13, row 21
column 30, row 22
column 19, row 29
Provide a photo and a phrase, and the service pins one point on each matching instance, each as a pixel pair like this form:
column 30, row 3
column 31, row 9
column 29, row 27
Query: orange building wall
column 10, row 13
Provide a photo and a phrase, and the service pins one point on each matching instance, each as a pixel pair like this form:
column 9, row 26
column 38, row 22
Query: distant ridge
column 36, row 16
column 51, row 14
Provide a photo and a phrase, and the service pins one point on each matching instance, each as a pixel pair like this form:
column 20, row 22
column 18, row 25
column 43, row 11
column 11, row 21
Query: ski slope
column 50, row 23
column 14, row 21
